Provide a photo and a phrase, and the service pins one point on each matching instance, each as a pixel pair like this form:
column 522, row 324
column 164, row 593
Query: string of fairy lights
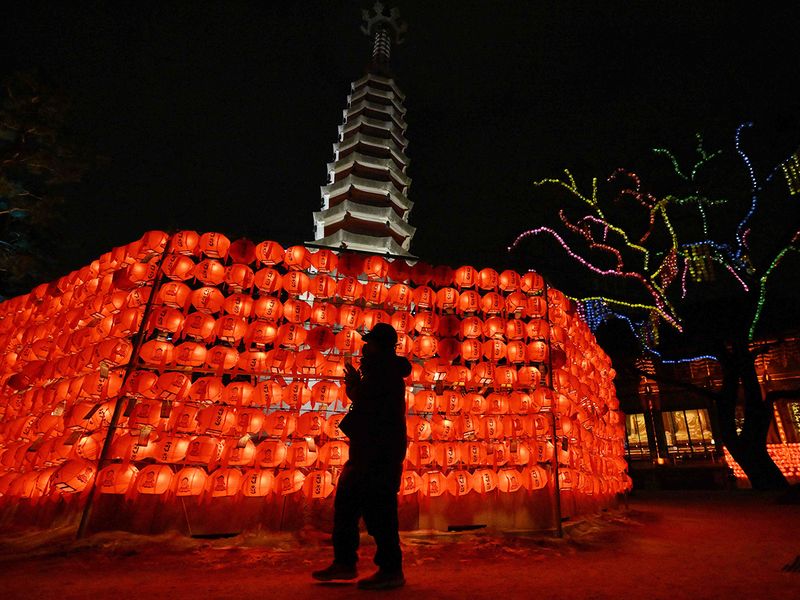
column 685, row 262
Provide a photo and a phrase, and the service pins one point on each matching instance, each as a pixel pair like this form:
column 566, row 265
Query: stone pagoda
column 365, row 204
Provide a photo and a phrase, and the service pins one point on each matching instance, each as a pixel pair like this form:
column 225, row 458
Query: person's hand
column 351, row 374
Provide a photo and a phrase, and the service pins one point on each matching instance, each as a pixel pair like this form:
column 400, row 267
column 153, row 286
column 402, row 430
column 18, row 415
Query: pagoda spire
column 384, row 31
column 365, row 204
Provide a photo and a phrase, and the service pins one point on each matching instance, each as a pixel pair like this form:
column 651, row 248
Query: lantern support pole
column 553, row 403
column 112, row 426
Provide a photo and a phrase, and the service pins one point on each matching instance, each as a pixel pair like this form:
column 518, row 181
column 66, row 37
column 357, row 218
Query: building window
column 688, row 432
column 637, row 436
column 793, row 412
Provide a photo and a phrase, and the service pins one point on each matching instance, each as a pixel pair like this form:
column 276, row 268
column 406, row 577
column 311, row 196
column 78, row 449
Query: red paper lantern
column 254, row 361
column 230, row 328
column 242, row 251
column 350, row 265
column 173, row 294
column 334, row 453
column 214, row 245
column 459, row 483
column 239, row 277
column 153, row 243
column 516, row 352
column 399, row 270
column 154, row 480
column 537, row 352
column 348, row 341
column 425, row 346
column 156, row 353
column 176, row 266
column 537, row 329
column 449, row 349
column 207, row 300
column 318, row 484
column 289, row 482
column 325, row 392
column 184, row 242
column 494, row 327
column 443, row 276
column 349, row 289
column 268, row 308
column 469, row 302
column 505, row 376
column 349, row 316
column 447, row 299
column 165, row 319
column 190, row 354
column 269, row 253
column 471, row 350
column 528, row 376
column 268, row 281
column 271, row 453
column 222, row 358
column 376, row 267
column 471, row 327
column 280, row 360
column 206, row 390
column 257, row 483
column 199, row 326
column 400, row 296
column 171, row 449
column 297, row 258
column 296, row 311
column 190, row 481
column 321, row 338
column 116, row 479
column 434, row 483
column 375, row 293
column 324, row 260
column 322, row 287
column 488, row 279
column 209, row 272
column 537, row 307
column 296, row 283
column 532, row 283
column 426, row 323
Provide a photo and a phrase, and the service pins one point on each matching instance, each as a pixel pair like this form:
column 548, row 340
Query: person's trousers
column 371, row 493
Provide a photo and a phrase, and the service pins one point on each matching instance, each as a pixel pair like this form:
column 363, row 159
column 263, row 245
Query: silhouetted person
column 370, row 480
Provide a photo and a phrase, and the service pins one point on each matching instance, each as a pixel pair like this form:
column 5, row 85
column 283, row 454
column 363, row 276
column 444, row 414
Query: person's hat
column 383, row 335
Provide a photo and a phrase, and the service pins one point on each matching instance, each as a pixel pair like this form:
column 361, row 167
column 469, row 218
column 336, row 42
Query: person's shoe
column 382, row 580
column 336, row 572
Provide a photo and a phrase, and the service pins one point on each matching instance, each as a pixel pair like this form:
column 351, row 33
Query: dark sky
column 221, row 116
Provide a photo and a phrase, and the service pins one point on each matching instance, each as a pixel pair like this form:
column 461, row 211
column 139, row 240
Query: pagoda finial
column 383, row 29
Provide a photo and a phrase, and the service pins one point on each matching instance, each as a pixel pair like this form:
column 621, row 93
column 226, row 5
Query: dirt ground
column 665, row 545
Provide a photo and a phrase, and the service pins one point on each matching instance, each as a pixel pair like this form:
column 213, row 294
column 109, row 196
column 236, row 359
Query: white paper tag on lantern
column 144, row 434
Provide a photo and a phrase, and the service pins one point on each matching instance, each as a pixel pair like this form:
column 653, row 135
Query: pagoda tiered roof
column 365, row 204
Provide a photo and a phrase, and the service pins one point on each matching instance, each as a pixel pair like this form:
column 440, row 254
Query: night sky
column 221, row 116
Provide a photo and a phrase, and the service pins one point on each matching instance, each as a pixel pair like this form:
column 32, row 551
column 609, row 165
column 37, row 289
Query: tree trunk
column 749, row 447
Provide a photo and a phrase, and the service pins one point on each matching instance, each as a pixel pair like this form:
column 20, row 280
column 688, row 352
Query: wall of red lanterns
column 188, row 366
